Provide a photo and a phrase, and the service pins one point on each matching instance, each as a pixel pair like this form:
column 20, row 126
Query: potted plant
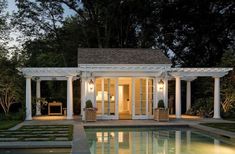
column 161, row 113
column 90, row 111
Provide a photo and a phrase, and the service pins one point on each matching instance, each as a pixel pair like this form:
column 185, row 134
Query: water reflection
column 153, row 141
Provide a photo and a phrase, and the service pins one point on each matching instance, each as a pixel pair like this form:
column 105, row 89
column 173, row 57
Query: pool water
column 155, row 141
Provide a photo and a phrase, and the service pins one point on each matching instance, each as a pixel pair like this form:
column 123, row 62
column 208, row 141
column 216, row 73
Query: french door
column 106, row 98
column 142, row 98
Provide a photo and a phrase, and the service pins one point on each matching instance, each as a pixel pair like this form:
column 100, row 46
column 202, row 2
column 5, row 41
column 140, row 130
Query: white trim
column 127, row 74
column 123, row 70
column 188, row 72
column 50, row 71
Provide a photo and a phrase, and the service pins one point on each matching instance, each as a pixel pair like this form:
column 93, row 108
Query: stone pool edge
column 79, row 144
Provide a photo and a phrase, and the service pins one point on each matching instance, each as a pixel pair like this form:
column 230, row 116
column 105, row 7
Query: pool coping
column 215, row 131
column 79, row 144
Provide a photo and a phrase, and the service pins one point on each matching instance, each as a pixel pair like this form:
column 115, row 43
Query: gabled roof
column 121, row 56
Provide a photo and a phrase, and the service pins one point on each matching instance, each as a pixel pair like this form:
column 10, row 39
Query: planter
column 161, row 114
column 90, row 114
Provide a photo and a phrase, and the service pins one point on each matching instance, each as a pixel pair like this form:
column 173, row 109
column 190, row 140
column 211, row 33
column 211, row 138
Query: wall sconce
column 161, row 84
column 91, row 84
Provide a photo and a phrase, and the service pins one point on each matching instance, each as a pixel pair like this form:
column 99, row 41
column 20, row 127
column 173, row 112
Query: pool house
column 122, row 83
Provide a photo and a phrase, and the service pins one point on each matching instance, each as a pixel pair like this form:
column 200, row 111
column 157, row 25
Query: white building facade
column 123, row 83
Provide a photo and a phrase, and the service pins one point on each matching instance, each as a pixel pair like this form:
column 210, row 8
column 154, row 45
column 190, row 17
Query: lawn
column 6, row 124
column 224, row 126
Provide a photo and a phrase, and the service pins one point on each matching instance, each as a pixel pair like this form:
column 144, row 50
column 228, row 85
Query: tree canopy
column 193, row 33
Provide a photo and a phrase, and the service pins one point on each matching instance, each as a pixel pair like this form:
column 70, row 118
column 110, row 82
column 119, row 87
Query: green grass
column 231, row 119
column 6, row 124
column 224, row 126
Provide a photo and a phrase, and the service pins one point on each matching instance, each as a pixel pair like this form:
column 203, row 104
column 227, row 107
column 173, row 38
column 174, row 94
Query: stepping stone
column 61, row 139
column 25, row 135
column 61, row 135
column 48, row 135
column 8, row 139
column 62, row 132
column 36, row 139
column 43, row 132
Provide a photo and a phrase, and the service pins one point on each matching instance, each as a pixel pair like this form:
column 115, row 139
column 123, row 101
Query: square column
column 83, row 96
column 38, row 95
column 165, row 93
column 188, row 96
column 178, row 97
column 69, row 97
column 28, row 99
column 217, row 98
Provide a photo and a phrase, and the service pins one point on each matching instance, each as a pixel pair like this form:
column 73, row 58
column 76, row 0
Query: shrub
column 89, row 104
column 203, row 107
column 161, row 104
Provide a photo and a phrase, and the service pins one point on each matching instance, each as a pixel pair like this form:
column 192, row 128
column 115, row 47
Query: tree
column 10, row 84
column 3, row 28
column 197, row 31
column 228, row 84
column 40, row 19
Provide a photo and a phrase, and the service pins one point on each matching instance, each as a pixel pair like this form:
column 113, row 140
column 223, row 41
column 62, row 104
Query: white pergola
column 190, row 74
column 47, row 74
column 69, row 74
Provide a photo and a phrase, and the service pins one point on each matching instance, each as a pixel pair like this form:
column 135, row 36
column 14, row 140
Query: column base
column 178, row 117
column 29, row 118
column 69, row 118
column 217, row 117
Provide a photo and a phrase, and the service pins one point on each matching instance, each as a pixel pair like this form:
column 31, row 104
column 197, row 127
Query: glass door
column 106, row 98
column 143, row 95
column 109, row 96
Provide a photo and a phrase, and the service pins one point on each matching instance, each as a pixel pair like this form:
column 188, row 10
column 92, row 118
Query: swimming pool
column 154, row 141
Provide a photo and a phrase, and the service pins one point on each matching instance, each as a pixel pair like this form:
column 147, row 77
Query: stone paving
column 38, row 133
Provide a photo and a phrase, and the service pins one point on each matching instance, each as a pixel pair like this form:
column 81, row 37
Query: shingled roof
column 121, row 56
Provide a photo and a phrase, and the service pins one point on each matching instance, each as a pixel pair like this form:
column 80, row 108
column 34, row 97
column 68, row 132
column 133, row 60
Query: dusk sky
column 11, row 7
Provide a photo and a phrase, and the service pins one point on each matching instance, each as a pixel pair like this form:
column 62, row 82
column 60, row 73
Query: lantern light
column 161, row 84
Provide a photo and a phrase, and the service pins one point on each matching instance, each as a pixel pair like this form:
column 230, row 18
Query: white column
column 178, row 97
column 166, row 92
column 188, row 96
column 28, row 99
column 70, row 97
column 38, row 95
column 82, row 97
column 217, row 98
column 158, row 93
